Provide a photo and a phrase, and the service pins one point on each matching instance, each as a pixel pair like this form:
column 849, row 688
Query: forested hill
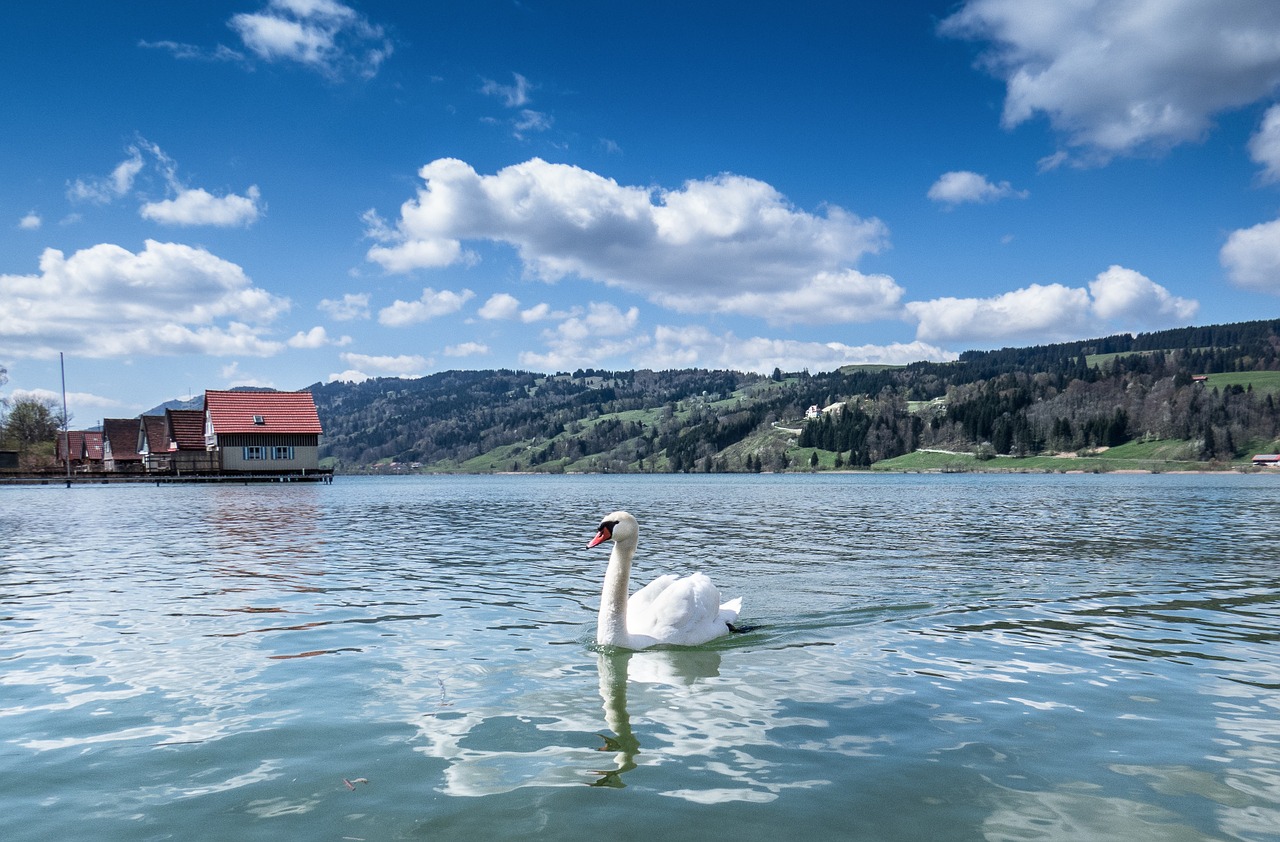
column 1017, row 401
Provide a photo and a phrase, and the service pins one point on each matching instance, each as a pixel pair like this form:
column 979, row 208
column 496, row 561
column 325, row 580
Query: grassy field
column 1154, row 456
column 1264, row 382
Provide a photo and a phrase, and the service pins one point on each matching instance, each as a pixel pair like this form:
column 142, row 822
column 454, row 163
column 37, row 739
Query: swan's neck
column 611, row 627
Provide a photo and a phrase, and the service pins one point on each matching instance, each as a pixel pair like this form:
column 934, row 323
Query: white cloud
column 725, row 244
column 317, row 337
column 232, row 377
column 197, row 206
column 403, row 365
column 698, row 347
column 1264, row 146
column 1048, row 311
column 466, row 349
column 500, row 305
column 1118, row 77
column 514, row 95
column 602, row 333
column 107, row 189
column 1118, row 298
column 503, row 306
column 532, row 121
column 961, row 186
column 352, row 306
column 188, row 206
column 828, row 298
column 323, row 35
column 1121, row 294
column 1251, row 257
column 80, row 400
column 428, row 306
column 105, row 301
column 30, row 221
column 348, row 376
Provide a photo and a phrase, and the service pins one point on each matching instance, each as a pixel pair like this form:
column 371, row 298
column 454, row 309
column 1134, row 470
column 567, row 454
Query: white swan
column 670, row 609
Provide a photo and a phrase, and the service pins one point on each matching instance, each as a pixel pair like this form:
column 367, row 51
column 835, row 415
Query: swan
column 683, row 611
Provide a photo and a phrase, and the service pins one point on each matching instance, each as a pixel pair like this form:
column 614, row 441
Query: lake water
column 958, row 657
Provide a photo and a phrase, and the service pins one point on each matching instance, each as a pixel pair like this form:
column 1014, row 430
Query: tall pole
column 66, row 427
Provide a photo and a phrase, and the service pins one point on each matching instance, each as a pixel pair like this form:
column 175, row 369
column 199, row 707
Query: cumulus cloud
column 351, row 375
column 1118, row 298
column 466, row 349
column 403, row 365
column 187, row 205
column 601, row 332
column 1264, row 146
column 725, row 244
column 317, row 337
column 30, row 221
column 350, row 307
column 500, row 305
column 504, row 306
column 1251, row 257
column 105, row 301
column 197, row 206
column 1118, row 77
column 1123, row 295
column 697, row 347
column 962, row 186
column 428, row 306
column 322, row 35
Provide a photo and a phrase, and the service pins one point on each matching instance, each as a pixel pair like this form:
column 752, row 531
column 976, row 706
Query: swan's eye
column 607, row 528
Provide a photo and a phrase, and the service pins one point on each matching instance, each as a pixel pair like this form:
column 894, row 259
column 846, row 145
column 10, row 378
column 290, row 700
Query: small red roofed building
column 153, row 443
column 120, row 445
column 262, row 432
column 173, row 443
column 84, row 447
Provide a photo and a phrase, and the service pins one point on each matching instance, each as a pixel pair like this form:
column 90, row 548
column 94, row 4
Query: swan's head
column 618, row 527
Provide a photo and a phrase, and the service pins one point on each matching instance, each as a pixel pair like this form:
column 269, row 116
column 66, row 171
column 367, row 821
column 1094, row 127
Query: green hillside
column 1114, row 403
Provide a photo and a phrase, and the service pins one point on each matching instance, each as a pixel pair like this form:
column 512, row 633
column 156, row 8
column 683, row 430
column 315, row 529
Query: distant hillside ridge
column 1212, row 388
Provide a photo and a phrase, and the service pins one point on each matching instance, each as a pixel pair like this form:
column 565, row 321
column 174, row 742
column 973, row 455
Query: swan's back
column 681, row 611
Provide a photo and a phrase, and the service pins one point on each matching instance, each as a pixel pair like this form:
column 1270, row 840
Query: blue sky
column 281, row 192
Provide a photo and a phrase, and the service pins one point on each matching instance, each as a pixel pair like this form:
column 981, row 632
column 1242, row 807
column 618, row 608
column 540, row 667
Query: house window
column 254, row 452
column 282, row 452
column 258, row 419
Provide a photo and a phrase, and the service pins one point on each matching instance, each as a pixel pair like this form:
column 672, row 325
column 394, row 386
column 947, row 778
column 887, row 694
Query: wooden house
column 153, row 443
column 263, row 432
column 84, row 447
column 120, row 445
column 187, row 449
column 173, row 443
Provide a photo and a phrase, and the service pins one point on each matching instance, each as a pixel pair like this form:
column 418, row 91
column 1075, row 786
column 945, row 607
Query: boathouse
column 262, row 432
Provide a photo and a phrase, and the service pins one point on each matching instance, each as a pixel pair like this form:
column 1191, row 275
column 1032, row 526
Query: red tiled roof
column 186, row 426
column 262, row 412
column 154, row 434
column 122, row 433
column 92, row 446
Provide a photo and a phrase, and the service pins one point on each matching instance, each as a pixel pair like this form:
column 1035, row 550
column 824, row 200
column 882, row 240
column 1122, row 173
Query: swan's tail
column 730, row 610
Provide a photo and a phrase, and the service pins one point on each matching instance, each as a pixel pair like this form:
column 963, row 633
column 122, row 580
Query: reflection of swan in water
column 682, row 611
column 666, row 668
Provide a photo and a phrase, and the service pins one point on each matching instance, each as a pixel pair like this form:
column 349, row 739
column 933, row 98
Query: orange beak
column 601, row 536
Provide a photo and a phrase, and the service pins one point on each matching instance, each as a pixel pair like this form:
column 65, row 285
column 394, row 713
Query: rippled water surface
column 926, row 658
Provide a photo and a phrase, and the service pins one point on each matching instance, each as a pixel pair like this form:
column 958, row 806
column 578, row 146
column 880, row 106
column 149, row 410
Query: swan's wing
column 640, row 616
column 730, row 610
column 683, row 611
